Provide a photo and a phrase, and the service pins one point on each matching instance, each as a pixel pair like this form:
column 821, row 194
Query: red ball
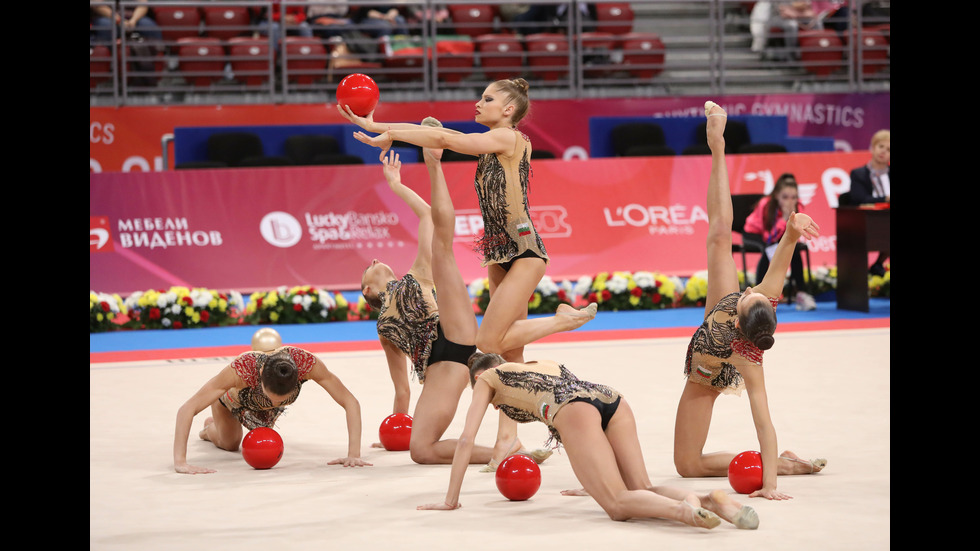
column 262, row 448
column 396, row 432
column 518, row 477
column 745, row 472
column 358, row 91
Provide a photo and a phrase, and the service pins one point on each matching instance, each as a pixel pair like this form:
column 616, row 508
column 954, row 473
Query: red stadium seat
column 872, row 55
column 454, row 59
column 473, row 19
column 501, row 55
column 250, row 59
column 615, row 18
column 643, row 54
column 227, row 21
column 547, row 55
column 201, row 60
column 99, row 65
column 821, row 51
column 177, row 22
column 305, row 59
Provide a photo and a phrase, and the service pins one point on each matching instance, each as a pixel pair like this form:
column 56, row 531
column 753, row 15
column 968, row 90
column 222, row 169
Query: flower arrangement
column 104, row 309
column 546, row 298
column 181, row 307
column 299, row 304
column 695, row 290
column 480, row 293
column 880, row 286
column 637, row 291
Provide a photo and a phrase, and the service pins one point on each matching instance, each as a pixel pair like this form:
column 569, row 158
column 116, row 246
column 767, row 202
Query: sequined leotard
column 409, row 318
column 501, row 187
column 248, row 404
column 537, row 392
column 717, row 350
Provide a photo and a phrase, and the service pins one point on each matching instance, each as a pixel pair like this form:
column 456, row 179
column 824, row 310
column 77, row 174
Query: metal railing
column 223, row 52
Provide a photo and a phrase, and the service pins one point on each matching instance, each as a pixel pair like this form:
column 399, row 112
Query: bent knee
column 616, row 512
column 422, row 454
column 689, row 467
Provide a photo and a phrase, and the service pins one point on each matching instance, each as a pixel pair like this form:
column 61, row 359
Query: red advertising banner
column 257, row 229
column 130, row 139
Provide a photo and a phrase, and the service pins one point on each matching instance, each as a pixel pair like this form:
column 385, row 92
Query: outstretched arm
column 336, row 389
column 391, row 164
column 211, row 391
column 755, row 386
column 464, row 447
column 798, row 225
column 368, row 123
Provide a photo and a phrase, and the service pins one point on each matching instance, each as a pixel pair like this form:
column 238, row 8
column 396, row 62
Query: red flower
column 656, row 297
column 657, row 283
column 154, row 313
column 606, row 295
column 298, row 307
column 531, row 298
column 188, row 300
column 178, row 325
column 105, row 306
column 205, row 315
column 258, row 302
column 562, row 296
column 637, row 292
column 592, row 297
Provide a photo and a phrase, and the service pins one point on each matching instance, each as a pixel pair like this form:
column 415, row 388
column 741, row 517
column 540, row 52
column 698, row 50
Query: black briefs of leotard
column 606, row 411
column 510, row 263
column 445, row 350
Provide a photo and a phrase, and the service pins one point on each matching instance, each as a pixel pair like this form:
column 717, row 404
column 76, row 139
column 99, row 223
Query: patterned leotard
column 717, row 350
column 409, row 318
column 249, row 404
column 501, row 187
column 528, row 393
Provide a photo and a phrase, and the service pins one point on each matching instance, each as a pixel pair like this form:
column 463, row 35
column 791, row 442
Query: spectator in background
column 420, row 16
column 790, row 18
column 527, row 18
column 871, row 183
column 768, row 219
column 329, row 19
column 380, row 20
column 136, row 22
column 272, row 21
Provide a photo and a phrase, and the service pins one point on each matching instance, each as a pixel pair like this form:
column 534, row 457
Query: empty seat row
column 236, row 149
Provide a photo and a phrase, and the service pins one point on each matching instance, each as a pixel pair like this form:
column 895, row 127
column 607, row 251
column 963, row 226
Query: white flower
column 617, row 284
column 567, row 286
column 583, row 285
column 108, row 299
column 165, row 322
column 476, row 287
column 201, row 298
column 644, row 280
column 547, row 287
column 328, row 302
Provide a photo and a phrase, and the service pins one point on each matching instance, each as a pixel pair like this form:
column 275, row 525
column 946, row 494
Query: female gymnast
column 513, row 252
column 725, row 353
column 437, row 333
column 597, row 429
column 253, row 390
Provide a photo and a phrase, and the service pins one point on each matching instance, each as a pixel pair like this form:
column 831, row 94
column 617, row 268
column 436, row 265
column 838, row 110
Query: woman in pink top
column 769, row 221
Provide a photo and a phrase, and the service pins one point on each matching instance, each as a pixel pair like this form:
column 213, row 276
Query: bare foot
column 801, row 466
column 715, row 127
column 579, row 492
column 377, row 445
column 204, row 432
column 742, row 516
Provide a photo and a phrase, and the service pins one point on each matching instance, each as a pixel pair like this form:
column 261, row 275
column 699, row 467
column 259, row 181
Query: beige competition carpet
column 829, row 394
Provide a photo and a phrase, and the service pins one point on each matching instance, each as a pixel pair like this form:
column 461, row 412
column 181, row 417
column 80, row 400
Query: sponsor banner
column 130, row 139
column 257, row 229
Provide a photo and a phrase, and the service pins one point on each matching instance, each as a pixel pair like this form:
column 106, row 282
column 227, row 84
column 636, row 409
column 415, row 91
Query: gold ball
column 266, row 339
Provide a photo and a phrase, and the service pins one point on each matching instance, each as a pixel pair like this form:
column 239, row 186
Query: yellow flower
column 274, row 316
column 341, row 301
column 189, row 311
column 634, row 300
column 535, row 300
